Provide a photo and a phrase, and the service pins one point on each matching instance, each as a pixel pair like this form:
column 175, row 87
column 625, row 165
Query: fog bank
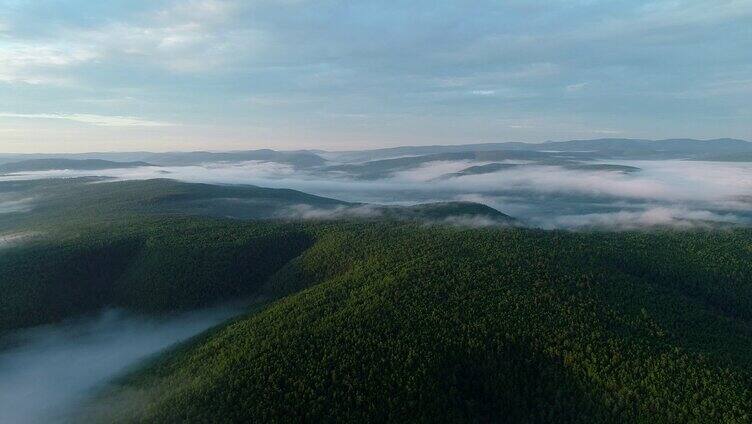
column 49, row 370
column 659, row 192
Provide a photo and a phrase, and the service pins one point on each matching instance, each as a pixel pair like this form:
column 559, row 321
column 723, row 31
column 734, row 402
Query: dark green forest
column 401, row 323
column 386, row 320
column 149, row 265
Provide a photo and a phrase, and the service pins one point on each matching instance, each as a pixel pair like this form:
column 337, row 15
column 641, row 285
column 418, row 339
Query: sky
column 78, row 75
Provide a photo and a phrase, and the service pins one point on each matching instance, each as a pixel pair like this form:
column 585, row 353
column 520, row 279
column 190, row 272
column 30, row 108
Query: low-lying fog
column 661, row 192
column 45, row 372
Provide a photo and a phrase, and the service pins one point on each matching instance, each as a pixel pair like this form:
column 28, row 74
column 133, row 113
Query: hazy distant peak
column 60, row 164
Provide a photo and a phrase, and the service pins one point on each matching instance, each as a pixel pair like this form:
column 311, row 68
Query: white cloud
column 575, row 87
column 661, row 192
column 181, row 46
column 483, row 92
column 100, row 120
column 15, row 205
column 431, row 170
column 185, row 37
column 664, row 181
column 470, row 221
column 310, row 212
column 13, row 239
column 193, row 36
column 213, row 11
column 679, row 217
column 554, row 179
column 39, row 63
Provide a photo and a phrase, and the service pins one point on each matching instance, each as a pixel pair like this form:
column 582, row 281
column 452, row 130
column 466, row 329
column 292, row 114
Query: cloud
column 681, row 181
column 532, row 193
column 658, row 180
column 10, row 205
column 571, row 88
column 185, row 47
column 308, row 212
column 12, row 239
column 667, row 14
column 303, row 211
column 677, row 217
column 216, row 12
column 470, row 221
column 432, row 170
column 100, row 120
column 183, row 37
column 454, row 78
column 554, row 179
column 39, row 63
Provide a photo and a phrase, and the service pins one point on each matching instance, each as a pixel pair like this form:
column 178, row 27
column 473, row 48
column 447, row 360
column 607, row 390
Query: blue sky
column 78, row 75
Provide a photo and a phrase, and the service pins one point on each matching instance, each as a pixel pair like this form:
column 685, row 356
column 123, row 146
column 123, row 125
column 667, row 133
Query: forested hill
column 143, row 264
column 405, row 323
column 86, row 199
column 163, row 245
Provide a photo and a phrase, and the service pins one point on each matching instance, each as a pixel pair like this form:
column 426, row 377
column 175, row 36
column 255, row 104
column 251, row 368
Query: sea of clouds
column 669, row 192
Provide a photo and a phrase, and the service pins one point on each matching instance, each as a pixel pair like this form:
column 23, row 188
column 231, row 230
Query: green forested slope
column 151, row 246
column 144, row 264
column 407, row 323
column 87, row 199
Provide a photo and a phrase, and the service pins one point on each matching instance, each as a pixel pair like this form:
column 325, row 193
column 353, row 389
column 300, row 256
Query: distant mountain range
column 298, row 159
column 606, row 147
column 581, row 155
column 725, row 149
column 31, row 165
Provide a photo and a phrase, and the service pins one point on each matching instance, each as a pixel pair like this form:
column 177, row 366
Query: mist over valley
column 568, row 188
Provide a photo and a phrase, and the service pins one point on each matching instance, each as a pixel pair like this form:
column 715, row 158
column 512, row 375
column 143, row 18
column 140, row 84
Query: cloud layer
column 107, row 121
column 234, row 74
column 673, row 193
